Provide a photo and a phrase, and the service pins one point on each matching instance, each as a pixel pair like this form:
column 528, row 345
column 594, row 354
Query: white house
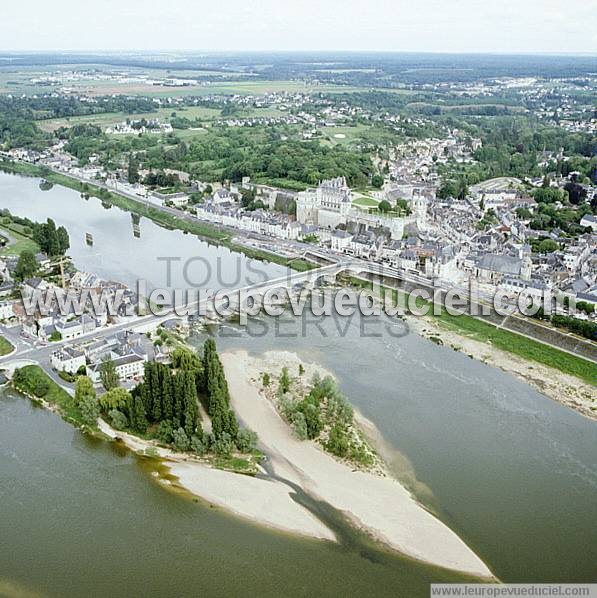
column 340, row 240
column 127, row 367
column 6, row 311
column 67, row 359
column 589, row 221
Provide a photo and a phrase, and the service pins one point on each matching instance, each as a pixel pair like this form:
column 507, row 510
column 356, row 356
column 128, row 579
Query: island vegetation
column 316, row 410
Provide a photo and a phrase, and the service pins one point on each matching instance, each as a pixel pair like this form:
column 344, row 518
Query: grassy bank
column 5, row 346
column 17, row 240
column 34, row 382
column 521, row 346
column 203, row 230
column 505, row 340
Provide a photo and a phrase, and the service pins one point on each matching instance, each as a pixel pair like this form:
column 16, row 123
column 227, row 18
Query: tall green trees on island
column 165, row 405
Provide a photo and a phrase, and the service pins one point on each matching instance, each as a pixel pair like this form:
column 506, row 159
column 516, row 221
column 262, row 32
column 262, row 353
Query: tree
column 90, row 409
column 338, row 443
column 63, row 240
column 133, row 171
column 108, row 374
column 377, row 181
column 284, row 384
column 547, row 246
column 384, row 206
column 165, row 432
column 26, row 266
column 115, row 398
column 246, row 440
column 198, row 445
column 118, row 419
column 83, row 389
column 138, row 418
column 223, row 445
column 181, row 440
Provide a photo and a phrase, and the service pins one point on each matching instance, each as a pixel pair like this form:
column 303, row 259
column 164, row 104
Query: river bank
column 166, row 217
column 558, row 386
column 372, row 501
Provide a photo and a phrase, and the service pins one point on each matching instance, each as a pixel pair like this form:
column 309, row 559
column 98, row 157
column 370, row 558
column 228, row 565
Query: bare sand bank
column 263, row 501
column 378, row 504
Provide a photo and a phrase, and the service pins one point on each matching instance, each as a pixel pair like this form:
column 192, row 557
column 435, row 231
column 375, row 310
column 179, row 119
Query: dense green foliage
column 26, row 266
column 323, row 414
column 108, row 374
column 32, row 380
column 165, row 405
column 214, row 386
column 168, row 396
column 580, row 327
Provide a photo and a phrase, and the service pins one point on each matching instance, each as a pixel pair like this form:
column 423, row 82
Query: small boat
column 89, row 238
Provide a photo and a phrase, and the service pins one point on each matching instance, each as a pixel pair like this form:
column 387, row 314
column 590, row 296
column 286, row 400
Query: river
column 512, row 472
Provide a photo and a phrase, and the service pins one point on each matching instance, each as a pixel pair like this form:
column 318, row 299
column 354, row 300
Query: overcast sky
column 386, row 25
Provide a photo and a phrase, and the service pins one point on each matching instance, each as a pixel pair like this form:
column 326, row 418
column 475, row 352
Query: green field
column 107, row 119
column 5, row 346
column 17, row 241
column 364, row 201
column 204, row 114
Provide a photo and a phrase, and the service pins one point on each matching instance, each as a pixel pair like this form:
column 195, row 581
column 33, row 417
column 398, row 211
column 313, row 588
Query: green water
column 82, row 518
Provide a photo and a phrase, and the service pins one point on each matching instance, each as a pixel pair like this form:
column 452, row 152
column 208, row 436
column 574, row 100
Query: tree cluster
column 215, row 389
column 166, row 396
column 53, row 241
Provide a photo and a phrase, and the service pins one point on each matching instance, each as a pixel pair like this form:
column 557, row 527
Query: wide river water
column 512, row 472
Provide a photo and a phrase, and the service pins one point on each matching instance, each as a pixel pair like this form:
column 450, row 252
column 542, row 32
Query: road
column 29, row 348
column 35, row 350
column 586, row 349
column 296, row 247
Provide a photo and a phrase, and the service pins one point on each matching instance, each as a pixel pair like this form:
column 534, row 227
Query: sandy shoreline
column 379, row 505
column 375, row 503
column 563, row 388
column 262, row 501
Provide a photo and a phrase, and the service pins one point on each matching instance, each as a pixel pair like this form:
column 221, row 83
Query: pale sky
column 567, row 26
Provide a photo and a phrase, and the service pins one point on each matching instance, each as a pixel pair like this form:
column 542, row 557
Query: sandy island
column 379, row 505
column 263, row 501
column 376, row 503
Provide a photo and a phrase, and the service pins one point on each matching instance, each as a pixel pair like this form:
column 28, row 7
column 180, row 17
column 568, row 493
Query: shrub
column 181, row 440
column 246, row 441
column 338, row 443
column 223, row 445
column 90, row 409
column 198, row 445
column 67, row 376
column 284, row 385
column 118, row 419
column 165, row 432
column 299, row 425
column 41, row 388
